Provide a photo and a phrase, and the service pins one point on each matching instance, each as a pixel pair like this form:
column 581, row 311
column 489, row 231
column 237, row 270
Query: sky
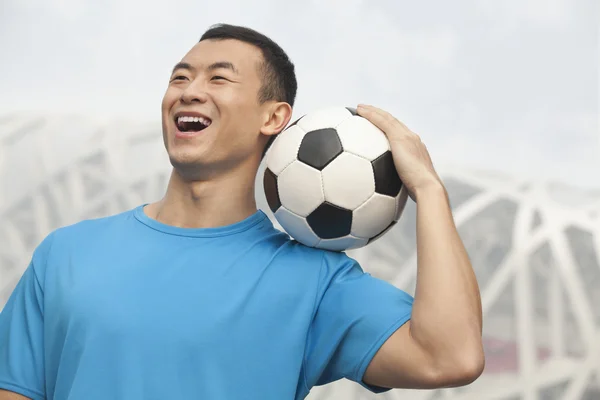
column 509, row 86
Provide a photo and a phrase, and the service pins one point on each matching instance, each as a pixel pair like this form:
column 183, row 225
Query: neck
column 219, row 201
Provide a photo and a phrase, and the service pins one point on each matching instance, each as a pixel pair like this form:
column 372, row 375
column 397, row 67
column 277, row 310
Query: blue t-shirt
column 125, row 307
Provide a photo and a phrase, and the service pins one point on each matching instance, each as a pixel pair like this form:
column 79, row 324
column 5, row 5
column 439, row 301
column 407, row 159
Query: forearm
column 447, row 315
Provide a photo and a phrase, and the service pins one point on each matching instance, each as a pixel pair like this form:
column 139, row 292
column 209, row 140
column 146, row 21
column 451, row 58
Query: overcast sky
column 507, row 85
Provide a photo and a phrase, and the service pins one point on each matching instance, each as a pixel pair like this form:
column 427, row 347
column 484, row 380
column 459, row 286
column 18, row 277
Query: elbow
column 469, row 371
column 463, row 370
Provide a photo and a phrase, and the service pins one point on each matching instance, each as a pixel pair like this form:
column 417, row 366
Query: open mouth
column 189, row 124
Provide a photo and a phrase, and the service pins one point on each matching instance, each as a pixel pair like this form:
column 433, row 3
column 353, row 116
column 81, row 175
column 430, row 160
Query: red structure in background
column 502, row 356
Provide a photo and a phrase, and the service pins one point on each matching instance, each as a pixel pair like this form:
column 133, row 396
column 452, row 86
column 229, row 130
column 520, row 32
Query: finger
column 377, row 118
column 384, row 114
column 382, row 119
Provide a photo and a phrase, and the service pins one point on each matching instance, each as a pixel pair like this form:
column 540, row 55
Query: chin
column 184, row 159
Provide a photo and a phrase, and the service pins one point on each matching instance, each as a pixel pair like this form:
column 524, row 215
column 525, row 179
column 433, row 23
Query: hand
column 411, row 158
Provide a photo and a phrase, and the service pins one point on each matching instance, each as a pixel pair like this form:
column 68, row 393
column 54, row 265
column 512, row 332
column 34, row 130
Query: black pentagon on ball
column 387, row 180
column 320, row 147
column 329, row 221
column 271, row 190
column 295, row 122
column 352, row 110
column 374, row 238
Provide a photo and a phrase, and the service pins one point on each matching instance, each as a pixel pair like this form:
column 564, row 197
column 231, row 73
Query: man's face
column 211, row 116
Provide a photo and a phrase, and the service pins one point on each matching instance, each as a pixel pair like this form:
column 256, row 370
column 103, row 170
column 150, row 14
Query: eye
column 179, row 78
column 217, row 78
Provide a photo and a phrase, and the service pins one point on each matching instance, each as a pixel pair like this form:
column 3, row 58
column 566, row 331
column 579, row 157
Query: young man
column 197, row 296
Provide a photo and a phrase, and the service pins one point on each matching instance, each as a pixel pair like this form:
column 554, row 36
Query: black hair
column 278, row 75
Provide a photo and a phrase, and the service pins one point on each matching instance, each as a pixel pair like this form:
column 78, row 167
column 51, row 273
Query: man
column 197, row 296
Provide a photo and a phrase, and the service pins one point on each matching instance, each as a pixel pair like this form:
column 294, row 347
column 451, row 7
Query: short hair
column 277, row 70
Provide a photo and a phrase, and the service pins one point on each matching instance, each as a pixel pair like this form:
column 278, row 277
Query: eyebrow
column 223, row 65
column 211, row 67
column 182, row 65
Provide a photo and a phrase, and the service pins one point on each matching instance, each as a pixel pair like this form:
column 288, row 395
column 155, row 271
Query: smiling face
column 212, row 118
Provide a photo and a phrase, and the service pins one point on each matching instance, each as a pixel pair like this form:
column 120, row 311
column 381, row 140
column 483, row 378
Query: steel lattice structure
column 535, row 247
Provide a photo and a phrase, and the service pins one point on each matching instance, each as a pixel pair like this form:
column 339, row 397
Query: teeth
column 202, row 120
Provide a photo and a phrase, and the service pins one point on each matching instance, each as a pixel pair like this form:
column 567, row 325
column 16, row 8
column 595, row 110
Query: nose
column 194, row 93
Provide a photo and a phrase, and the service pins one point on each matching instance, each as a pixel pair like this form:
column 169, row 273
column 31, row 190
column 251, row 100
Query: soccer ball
column 330, row 180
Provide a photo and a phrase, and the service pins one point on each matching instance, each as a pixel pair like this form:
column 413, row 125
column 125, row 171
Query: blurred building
column 535, row 247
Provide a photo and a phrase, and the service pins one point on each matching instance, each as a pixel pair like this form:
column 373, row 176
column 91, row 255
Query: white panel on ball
column 296, row 227
column 361, row 137
column 373, row 216
column 324, row 118
column 300, row 188
column 284, row 149
column 348, row 181
column 341, row 244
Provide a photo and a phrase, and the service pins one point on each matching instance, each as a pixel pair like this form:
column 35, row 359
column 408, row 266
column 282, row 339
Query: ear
column 277, row 116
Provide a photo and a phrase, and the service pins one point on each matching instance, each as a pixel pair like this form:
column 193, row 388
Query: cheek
column 169, row 100
column 167, row 103
column 243, row 111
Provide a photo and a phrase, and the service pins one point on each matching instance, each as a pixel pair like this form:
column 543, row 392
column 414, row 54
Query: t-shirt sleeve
column 22, row 334
column 356, row 314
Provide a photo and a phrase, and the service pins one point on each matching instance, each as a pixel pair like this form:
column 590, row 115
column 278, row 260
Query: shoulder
column 289, row 247
column 90, row 228
column 328, row 265
column 60, row 240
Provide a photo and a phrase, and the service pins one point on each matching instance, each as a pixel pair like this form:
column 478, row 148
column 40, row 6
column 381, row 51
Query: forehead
column 245, row 57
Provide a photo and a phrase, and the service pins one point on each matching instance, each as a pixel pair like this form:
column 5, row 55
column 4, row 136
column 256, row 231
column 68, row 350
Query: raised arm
column 441, row 345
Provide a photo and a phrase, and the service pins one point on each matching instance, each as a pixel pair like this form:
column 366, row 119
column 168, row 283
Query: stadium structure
column 535, row 247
